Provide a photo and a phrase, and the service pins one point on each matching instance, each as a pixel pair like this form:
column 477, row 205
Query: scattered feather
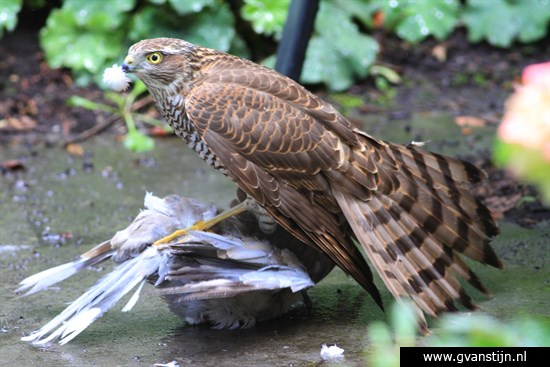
column 115, row 78
column 331, row 352
column 169, row 364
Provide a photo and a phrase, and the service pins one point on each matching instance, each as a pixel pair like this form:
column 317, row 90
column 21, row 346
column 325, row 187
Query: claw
column 203, row 225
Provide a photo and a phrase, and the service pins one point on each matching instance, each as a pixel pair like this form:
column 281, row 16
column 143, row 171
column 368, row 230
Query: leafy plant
column 452, row 330
column 347, row 102
column 385, row 340
column 85, row 36
column 89, row 36
column 480, row 330
column 415, row 20
column 8, row 15
column 266, row 17
column 500, row 22
column 124, row 106
column 338, row 52
column 208, row 23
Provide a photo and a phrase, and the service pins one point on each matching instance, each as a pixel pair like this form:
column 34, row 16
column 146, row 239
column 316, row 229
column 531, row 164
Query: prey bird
column 231, row 276
column 326, row 182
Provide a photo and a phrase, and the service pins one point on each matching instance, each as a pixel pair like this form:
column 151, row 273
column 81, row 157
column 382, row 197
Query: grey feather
column 226, row 278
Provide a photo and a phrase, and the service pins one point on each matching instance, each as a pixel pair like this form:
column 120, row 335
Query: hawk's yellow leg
column 203, row 225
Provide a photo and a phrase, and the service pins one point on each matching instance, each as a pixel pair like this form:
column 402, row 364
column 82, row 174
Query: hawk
column 329, row 184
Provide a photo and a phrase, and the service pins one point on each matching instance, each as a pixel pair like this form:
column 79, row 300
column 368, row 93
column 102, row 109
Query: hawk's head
column 162, row 63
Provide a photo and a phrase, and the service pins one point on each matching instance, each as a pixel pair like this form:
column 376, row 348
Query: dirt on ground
column 454, row 77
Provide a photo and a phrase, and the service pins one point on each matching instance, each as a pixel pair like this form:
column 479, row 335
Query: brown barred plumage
column 322, row 179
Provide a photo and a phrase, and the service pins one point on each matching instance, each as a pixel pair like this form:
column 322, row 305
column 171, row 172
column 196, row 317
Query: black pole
column 296, row 34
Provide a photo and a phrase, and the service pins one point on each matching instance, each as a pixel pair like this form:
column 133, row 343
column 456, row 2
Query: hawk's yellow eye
column 154, row 57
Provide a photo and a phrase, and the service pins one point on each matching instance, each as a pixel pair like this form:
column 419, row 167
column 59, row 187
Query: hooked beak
column 128, row 66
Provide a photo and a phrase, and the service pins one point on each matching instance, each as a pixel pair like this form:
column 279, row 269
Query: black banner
column 474, row 356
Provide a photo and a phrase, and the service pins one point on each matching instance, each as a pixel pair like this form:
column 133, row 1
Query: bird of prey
column 326, row 182
column 229, row 277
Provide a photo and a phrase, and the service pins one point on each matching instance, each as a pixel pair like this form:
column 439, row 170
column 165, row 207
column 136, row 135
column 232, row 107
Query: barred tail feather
column 414, row 229
column 434, row 188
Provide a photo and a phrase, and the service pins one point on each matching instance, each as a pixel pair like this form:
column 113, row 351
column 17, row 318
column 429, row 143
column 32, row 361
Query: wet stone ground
column 60, row 206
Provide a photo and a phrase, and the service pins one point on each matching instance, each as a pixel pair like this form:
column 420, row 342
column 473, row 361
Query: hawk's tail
column 415, row 226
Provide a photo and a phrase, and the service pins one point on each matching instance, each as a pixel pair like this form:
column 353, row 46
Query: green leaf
column 500, row 22
column 324, row 65
column 138, row 142
column 184, row 7
column 67, row 44
column 267, row 17
column 116, row 97
column 85, row 36
column 151, row 22
column 8, row 14
column 414, row 20
column 213, row 27
column 535, row 19
column 481, row 330
column 362, row 10
column 338, row 52
column 98, row 15
column 404, row 322
column 529, row 164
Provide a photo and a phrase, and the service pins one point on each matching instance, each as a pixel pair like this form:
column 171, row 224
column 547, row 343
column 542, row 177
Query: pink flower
column 527, row 118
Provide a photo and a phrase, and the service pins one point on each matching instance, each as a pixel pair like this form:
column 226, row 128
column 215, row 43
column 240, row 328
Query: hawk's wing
column 305, row 164
column 275, row 151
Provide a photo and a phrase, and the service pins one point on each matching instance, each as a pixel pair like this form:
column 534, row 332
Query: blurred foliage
column 267, row 17
column 83, row 35
column 87, row 36
column 8, row 14
column 528, row 163
column 501, row 22
column 414, row 20
column 338, row 52
column 385, row 340
column 452, row 330
column 481, row 330
column 123, row 106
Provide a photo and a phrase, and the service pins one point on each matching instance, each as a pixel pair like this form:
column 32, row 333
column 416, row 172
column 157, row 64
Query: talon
column 202, row 225
column 170, row 237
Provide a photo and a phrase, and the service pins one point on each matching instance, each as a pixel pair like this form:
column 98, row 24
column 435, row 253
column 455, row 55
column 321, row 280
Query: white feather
column 331, row 352
column 40, row 281
column 115, row 78
column 278, row 277
column 157, row 204
column 133, row 300
column 78, row 323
